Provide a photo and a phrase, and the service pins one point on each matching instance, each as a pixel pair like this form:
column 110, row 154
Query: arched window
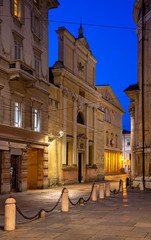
column 80, row 118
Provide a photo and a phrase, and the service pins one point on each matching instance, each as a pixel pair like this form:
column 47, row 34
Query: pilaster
column 74, row 131
column 64, row 128
column 94, row 127
column 87, row 134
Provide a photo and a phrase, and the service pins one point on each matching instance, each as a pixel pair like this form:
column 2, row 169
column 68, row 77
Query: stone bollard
column 101, row 190
column 10, row 214
column 121, row 185
column 141, row 185
column 42, row 214
column 107, row 189
column 65, row 201
column 94, row 193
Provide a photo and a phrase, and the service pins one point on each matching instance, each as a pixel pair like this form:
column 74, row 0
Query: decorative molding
column 80, row 67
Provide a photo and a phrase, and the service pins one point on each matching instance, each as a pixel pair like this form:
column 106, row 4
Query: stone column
column 94, row 129
column 64, row 146
column 133, row 169
column 74, row 131
column 87, row 134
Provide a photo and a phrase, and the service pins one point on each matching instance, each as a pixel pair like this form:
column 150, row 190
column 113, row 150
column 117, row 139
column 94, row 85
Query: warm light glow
column 16, row 8
column 61, row 133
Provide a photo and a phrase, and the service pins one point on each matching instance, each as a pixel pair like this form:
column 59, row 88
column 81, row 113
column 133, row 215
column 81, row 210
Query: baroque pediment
column 84, row 42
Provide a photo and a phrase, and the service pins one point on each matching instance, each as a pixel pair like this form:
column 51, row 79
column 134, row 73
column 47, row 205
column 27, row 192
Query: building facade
column 126, row 146
column 140, row 100
column 113, row 113
column 24, row 94
column 76, row 151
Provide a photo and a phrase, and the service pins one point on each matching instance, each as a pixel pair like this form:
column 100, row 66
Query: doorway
column 15, row 173
column 35, row 168
column 79, row 167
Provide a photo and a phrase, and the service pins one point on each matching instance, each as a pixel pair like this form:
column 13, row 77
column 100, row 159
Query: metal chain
column 90, row 194
column 74, row 204
column 37, row 215
column 29, row 218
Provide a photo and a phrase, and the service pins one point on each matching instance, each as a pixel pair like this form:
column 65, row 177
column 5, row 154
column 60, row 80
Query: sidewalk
column 125, row 216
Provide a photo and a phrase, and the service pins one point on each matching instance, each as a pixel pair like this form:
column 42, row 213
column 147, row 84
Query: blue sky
column 114, row 48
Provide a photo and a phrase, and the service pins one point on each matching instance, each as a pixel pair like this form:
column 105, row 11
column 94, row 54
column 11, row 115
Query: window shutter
column 1, row 109
column 32, row 118
column 40, row 121
column 12, row 7
column 19, row 51
column 1, row 2
column 23, row 114
column 22, row 12
column 32, row 21
column 15, row 50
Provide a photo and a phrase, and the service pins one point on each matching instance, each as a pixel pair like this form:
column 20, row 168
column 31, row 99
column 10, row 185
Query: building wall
column 113, row 112
column 77, row 156
column 136, row 98
column 23, row 86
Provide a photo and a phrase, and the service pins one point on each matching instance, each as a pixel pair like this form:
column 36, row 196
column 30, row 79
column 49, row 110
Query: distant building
column 126, row 146
column 76, row 127
column 24, row 94
column 141, row 109
column 113, row 113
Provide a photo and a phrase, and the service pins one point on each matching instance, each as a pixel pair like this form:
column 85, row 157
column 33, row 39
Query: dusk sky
column 114, row 46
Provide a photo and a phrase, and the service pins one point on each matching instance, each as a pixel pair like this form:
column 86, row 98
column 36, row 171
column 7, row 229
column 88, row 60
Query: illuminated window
column 36, row 2
column 17, row 9
column 17, row 114
column 36, row 120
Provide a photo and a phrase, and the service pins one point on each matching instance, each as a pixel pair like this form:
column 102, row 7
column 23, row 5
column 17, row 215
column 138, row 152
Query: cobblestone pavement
column 123, row 216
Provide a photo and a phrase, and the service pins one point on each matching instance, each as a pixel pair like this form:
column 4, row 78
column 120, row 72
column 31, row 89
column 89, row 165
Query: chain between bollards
column 11, row 207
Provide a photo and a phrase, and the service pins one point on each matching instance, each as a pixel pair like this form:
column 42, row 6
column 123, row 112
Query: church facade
column 76, row 128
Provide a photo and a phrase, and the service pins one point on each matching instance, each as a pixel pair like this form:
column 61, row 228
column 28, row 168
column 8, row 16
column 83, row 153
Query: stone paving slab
column 119, row 217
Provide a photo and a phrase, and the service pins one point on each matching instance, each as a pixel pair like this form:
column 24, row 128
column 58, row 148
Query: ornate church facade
column 78, row 118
